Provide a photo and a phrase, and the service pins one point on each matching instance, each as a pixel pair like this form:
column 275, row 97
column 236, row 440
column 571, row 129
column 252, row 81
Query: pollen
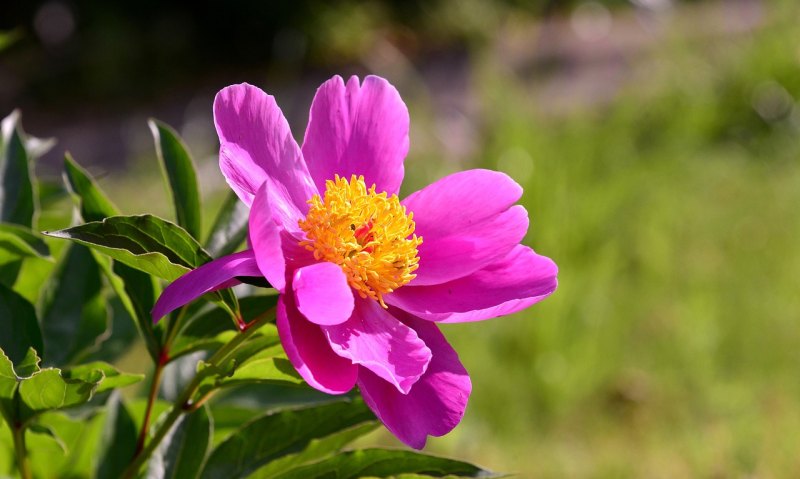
column 368, row 234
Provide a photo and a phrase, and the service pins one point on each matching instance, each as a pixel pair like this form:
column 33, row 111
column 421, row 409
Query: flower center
column 368, row 234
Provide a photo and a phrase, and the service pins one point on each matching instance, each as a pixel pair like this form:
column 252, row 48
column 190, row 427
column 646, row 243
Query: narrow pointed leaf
column 18, row 325
column 112, row 377
column 17, row 200
column 179, row 170
column 118, row 440
column 136, row 290
column 230, row 227
column 18, row 241
column 74, row 314
column 145, row 242
column 279, row 434
column 93, row 203
column 380, row 463
column 184, row 449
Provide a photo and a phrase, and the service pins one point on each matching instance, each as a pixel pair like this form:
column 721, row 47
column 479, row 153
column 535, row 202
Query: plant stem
column 163, row 359
column 151, row 399
column 184, row 403
column 22, row 455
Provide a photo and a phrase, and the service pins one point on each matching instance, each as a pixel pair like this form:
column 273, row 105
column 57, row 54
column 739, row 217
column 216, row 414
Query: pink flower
column 364, row 277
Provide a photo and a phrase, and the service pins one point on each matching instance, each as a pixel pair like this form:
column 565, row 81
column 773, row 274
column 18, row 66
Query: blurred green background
column 657, row 142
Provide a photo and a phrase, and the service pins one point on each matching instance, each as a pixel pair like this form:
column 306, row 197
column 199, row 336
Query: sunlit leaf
column 112, row 379
column 378, row 463
column 8, row 386
column 145, row 242
column 18, row 241
column 94, row 205
column 29, row 365
column 179, row 170
column 48, row 389
column 279, row 434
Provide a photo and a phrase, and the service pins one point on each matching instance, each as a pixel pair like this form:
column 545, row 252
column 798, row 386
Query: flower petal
column 309, row 351
column 508, row 285
column 357, row 130
column 204, row 279
column 265, row 239
column 256, row 145
column 378, row 341
column 436, row 403
column 466, row 222
column 322, row 293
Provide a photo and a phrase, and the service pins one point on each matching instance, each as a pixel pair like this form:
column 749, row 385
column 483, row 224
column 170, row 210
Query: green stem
column 22, row 455
column 184, row 403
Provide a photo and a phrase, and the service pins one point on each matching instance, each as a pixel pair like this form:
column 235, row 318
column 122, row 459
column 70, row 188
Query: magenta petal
column 378, row 341
column 322, row 293
column 466, row 221
column 256, row 145
column 510, row 284
column 309, row 351
column 436, row 403
column 204, row 279
column 443, row 259
column 357, row 130
column 265, row 239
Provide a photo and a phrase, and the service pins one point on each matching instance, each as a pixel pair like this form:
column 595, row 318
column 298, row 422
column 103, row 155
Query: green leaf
column 8, row 386
column 118, row 440
column 17, row 200
column 112, row 379
column 20, row 241
column 212, row 329
column 20, row 329
column 176, row 162
column 282, row 433
column 184, row 448
column 9, row 272
column 29, row 365
column 48, row 389
column 49, row 432
column 268, row 366
column 230, row 227
column 147, row 243
column 261, row 358
column 137, row 292
column 380, row 463
column 74, row 314
column 94, row 205
column 80, row 438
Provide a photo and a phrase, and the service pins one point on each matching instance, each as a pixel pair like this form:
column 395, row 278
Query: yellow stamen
column 368, row 234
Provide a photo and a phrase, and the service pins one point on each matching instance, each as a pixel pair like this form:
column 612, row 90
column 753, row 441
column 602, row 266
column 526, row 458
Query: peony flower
column 364, row 277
